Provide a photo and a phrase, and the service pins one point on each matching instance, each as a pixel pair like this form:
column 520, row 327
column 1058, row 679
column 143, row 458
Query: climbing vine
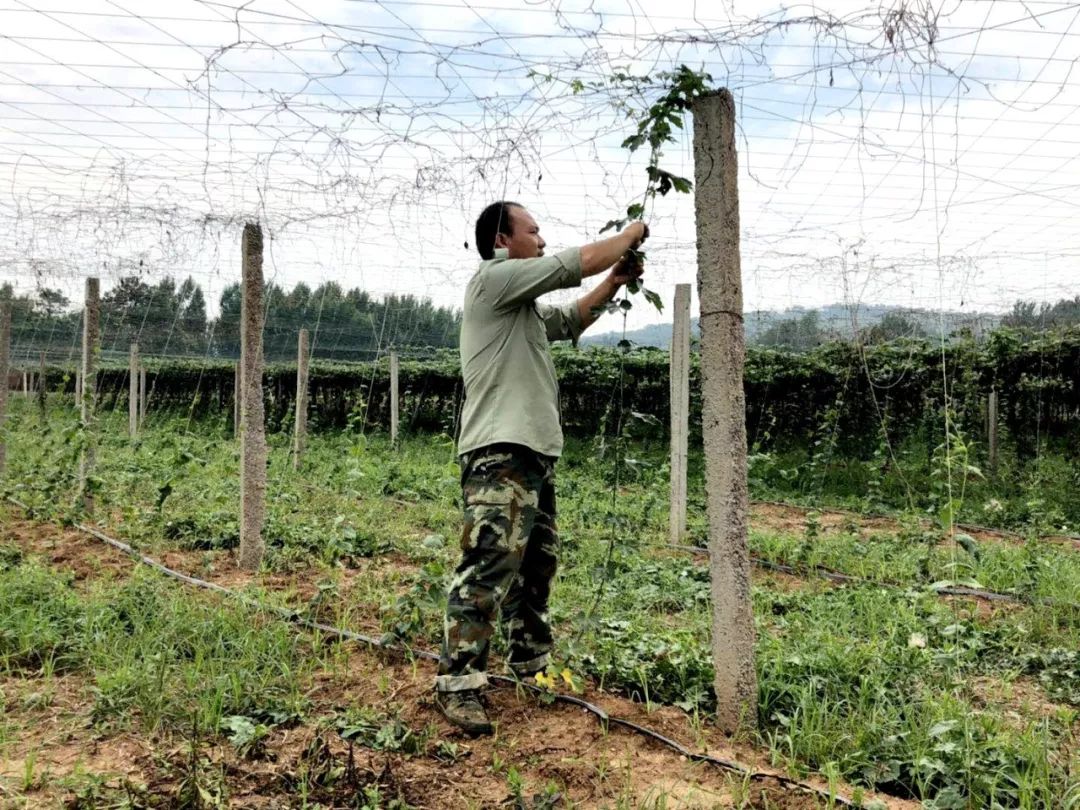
column 656, row 125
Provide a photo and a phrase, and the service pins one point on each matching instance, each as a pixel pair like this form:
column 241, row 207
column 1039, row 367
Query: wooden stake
column 133, row 391
column 5, row 370
column 394, row 404
column 43, row 393
column 992, row 429
column 143, row 395
column 300, row 434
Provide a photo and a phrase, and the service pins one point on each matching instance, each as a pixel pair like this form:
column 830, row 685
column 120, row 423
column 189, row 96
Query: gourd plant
column 656, row 126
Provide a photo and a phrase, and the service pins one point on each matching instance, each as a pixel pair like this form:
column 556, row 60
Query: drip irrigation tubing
column 604, row 718
column 944, row 590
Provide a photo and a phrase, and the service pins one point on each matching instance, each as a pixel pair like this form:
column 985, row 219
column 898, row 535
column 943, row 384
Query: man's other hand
column 628, row 268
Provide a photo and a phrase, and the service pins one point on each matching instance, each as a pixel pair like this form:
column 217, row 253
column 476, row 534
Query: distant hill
column 834, row 320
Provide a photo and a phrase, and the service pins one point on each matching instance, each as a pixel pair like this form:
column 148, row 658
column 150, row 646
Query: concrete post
column 236, row 399
column 992, row 429
column 394, row 404
column 133, row 391
column 680, row 410
column 142, row 394
column 300, row 434
column 716, row 205
column 5, row 368
column 90, row 351
column 25, row 386
column 43, row 393
column 253, row 429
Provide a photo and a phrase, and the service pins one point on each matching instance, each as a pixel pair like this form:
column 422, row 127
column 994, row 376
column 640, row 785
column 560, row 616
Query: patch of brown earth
column 1020, row 702
column 792, row 519
column 49, row 737
column 555, row 747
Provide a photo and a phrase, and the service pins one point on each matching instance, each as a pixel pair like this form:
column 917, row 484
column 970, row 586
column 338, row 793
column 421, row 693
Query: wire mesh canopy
column 917, row 155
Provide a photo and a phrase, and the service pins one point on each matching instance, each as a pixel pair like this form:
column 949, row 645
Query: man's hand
column 626, row 266
column 627, row 269
column 600, row 256
column 643, row 232
column 630, row 265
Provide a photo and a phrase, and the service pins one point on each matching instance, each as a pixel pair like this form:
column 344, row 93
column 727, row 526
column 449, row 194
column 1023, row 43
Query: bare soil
column 792, row 519
column 553, row 747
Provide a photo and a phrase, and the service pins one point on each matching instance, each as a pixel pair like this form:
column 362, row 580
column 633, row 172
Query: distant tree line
column 806, row 332
column 1030, row 315
column 166, row 318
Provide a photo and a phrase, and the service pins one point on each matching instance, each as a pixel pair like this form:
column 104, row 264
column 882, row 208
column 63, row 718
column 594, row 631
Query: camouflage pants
column 509, row 546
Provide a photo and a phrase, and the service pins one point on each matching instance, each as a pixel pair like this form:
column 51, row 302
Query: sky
column 921, row 155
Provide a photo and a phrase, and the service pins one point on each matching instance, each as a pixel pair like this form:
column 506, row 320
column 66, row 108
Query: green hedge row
column 840, row 391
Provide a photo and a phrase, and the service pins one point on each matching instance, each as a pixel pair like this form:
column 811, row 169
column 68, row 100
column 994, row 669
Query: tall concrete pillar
column 253, row 428
column 716, row 203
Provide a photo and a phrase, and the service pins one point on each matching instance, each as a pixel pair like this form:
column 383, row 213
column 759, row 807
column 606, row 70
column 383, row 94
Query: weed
column 381, row 732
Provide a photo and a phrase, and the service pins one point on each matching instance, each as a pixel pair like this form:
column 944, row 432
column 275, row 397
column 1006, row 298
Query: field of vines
column 917, row 609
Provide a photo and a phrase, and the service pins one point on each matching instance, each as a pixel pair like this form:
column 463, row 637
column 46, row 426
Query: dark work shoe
column 464, row 710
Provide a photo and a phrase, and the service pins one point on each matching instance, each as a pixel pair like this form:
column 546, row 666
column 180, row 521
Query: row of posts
column 679, row 359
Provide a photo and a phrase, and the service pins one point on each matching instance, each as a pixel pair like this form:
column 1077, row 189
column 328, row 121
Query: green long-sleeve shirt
column 511, row 394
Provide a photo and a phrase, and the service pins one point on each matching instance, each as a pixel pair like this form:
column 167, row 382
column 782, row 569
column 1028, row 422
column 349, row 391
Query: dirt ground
column 791, row 519
column 559, row 753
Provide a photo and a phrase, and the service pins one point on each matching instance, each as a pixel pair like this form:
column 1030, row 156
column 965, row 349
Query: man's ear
column 502, row 240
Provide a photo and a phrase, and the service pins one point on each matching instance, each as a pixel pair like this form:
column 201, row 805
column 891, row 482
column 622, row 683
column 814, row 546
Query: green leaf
column 942, row 728
column 946, row 515
column 653, row 298
column 617, row 224
column 968, row 543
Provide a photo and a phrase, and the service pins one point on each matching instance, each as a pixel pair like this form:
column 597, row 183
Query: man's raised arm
column 625, row 269
column 599, row 256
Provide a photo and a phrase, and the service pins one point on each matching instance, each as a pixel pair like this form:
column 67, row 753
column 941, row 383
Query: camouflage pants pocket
column 488, row 519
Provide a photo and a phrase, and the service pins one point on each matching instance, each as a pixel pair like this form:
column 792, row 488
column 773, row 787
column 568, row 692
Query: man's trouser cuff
column 537, row 664
column 461, row 683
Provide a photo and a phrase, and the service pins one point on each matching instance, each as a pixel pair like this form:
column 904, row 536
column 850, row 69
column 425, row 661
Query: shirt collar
column 501, row 253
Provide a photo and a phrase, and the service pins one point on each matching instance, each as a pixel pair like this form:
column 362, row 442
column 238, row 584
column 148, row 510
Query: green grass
column 156, row 656
column 873, row 684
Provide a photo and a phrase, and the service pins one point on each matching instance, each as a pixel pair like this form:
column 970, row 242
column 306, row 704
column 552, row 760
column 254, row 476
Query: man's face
column 524, row 241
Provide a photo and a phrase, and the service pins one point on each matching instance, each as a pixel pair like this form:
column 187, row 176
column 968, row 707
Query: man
column 510, row 439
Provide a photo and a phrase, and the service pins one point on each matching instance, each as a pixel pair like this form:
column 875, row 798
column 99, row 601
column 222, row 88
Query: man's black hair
column 493, row 220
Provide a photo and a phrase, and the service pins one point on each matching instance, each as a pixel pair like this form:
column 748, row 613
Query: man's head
column 506, row 224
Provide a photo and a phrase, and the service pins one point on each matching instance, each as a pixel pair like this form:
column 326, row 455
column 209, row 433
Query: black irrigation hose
column 836, row 576
column 605, row 719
